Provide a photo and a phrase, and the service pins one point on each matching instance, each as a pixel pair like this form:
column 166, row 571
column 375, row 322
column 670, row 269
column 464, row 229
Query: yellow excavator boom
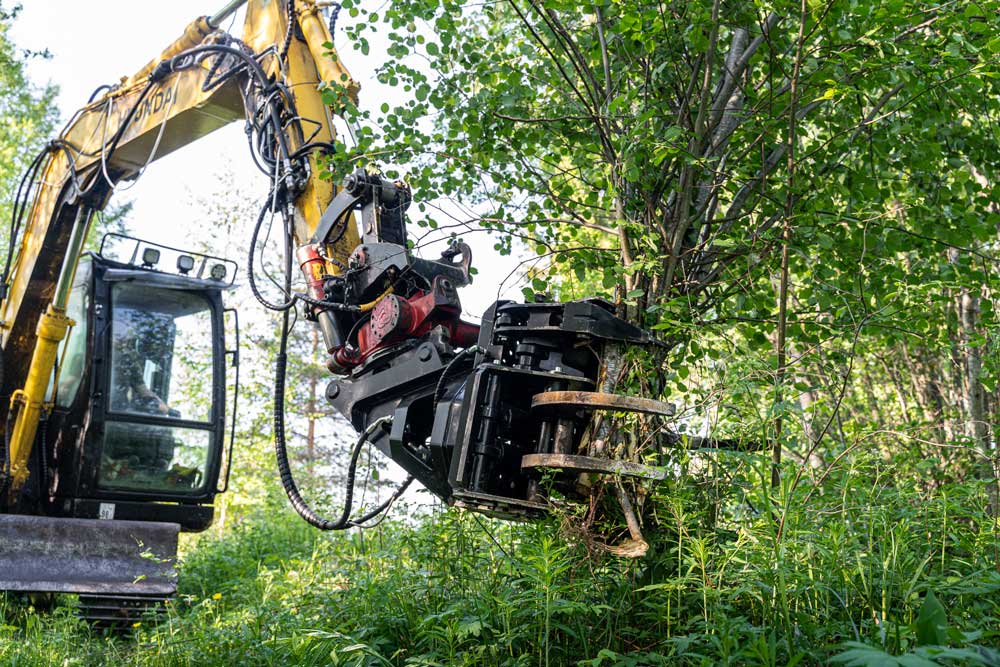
column 162, row 107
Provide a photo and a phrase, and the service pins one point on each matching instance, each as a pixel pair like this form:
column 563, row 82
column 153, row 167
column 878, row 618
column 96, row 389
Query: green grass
column 850, row 577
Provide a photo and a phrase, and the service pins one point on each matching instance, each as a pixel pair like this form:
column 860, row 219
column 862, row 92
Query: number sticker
column 106, row 511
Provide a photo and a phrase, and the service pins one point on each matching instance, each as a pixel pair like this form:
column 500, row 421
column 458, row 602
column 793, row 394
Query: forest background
column 801, row 199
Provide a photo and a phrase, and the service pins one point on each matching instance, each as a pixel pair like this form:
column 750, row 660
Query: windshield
column 161, row 367
column 161, row 353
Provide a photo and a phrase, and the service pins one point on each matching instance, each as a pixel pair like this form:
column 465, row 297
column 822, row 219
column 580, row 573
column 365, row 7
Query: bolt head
column 424, row 353
column 351, row 183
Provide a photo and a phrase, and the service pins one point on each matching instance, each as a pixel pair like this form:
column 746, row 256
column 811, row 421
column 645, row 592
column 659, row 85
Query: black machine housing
column 462, row 423
column 462, row 406
column 99, row 456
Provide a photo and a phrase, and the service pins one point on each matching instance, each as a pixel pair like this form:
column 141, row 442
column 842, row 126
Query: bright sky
column 99, row 41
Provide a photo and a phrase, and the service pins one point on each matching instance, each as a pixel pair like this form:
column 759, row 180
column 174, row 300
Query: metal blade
column 87, row 555
column 590, row 464
column 593, row 400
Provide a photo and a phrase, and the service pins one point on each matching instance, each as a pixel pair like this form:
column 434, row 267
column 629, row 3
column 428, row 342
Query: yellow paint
column 330, row 68
column 266, row 24
column 365, row 307
column 29, row 402
column 193, row 35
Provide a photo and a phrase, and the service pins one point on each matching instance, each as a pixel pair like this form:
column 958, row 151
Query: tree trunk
column 976, row 427
column 311, row 405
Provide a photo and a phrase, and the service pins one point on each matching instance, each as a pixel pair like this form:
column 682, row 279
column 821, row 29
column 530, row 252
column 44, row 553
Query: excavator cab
column 136, row 431
column 142, row 386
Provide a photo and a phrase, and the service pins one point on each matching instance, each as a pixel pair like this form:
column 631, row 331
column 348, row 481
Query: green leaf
column 932, row 622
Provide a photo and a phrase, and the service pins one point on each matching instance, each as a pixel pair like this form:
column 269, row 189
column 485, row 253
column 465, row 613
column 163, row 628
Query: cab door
column 162, row 432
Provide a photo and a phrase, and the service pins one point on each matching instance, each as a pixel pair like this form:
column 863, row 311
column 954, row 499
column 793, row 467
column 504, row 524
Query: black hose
column 43, row 435
column 110, row 148
column 439, row 387
column 280, row 448
column 67, row 148
column 214, row 79
column 288, row 30
column 28, row 181
column 293, row 296
column 97, row 91
column 298, row 503
column 384, row 506
column 267, row 158
column 314, row 146
column 6, row 473
column 334, row 13
column 301, row 507
column 328, row 305
column 253, row 153
column 281, row 452
column 250, row 269
column 179, row 62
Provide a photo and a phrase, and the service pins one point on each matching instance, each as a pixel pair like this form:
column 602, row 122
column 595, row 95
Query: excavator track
column 122, row 612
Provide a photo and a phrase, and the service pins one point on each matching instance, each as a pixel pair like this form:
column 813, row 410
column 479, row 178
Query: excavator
column 114, row 362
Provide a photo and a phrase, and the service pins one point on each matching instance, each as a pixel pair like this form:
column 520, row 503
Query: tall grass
column 849, row 579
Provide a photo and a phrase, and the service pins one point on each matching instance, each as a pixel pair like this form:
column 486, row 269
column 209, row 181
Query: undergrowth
column 869, row 569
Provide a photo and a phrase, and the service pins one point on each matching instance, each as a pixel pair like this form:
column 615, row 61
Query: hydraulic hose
column 171, row 65
column 293, row 296
column 289, row 29
column 250, row 270
column 439, row 387
column 97, row 91
column 20, row 207
column 301, row 507
column 384, row 506
column 5, row 472
column 334, row 13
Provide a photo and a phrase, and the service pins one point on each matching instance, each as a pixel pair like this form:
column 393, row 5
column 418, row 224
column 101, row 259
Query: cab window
column 151, row 457
column 73, row 363
column 158, row 433
column 161, row 353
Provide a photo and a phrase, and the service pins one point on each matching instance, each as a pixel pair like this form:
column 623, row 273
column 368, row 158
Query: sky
column 95, row 42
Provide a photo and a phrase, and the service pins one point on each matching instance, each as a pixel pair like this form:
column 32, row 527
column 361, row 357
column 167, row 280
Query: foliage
column 871, row 571
column 27, row 113
column 833, row 188
column 682, row 134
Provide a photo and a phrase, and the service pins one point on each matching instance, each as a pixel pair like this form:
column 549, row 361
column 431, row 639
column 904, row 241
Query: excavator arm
column 497, row 417
column 271, row 78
